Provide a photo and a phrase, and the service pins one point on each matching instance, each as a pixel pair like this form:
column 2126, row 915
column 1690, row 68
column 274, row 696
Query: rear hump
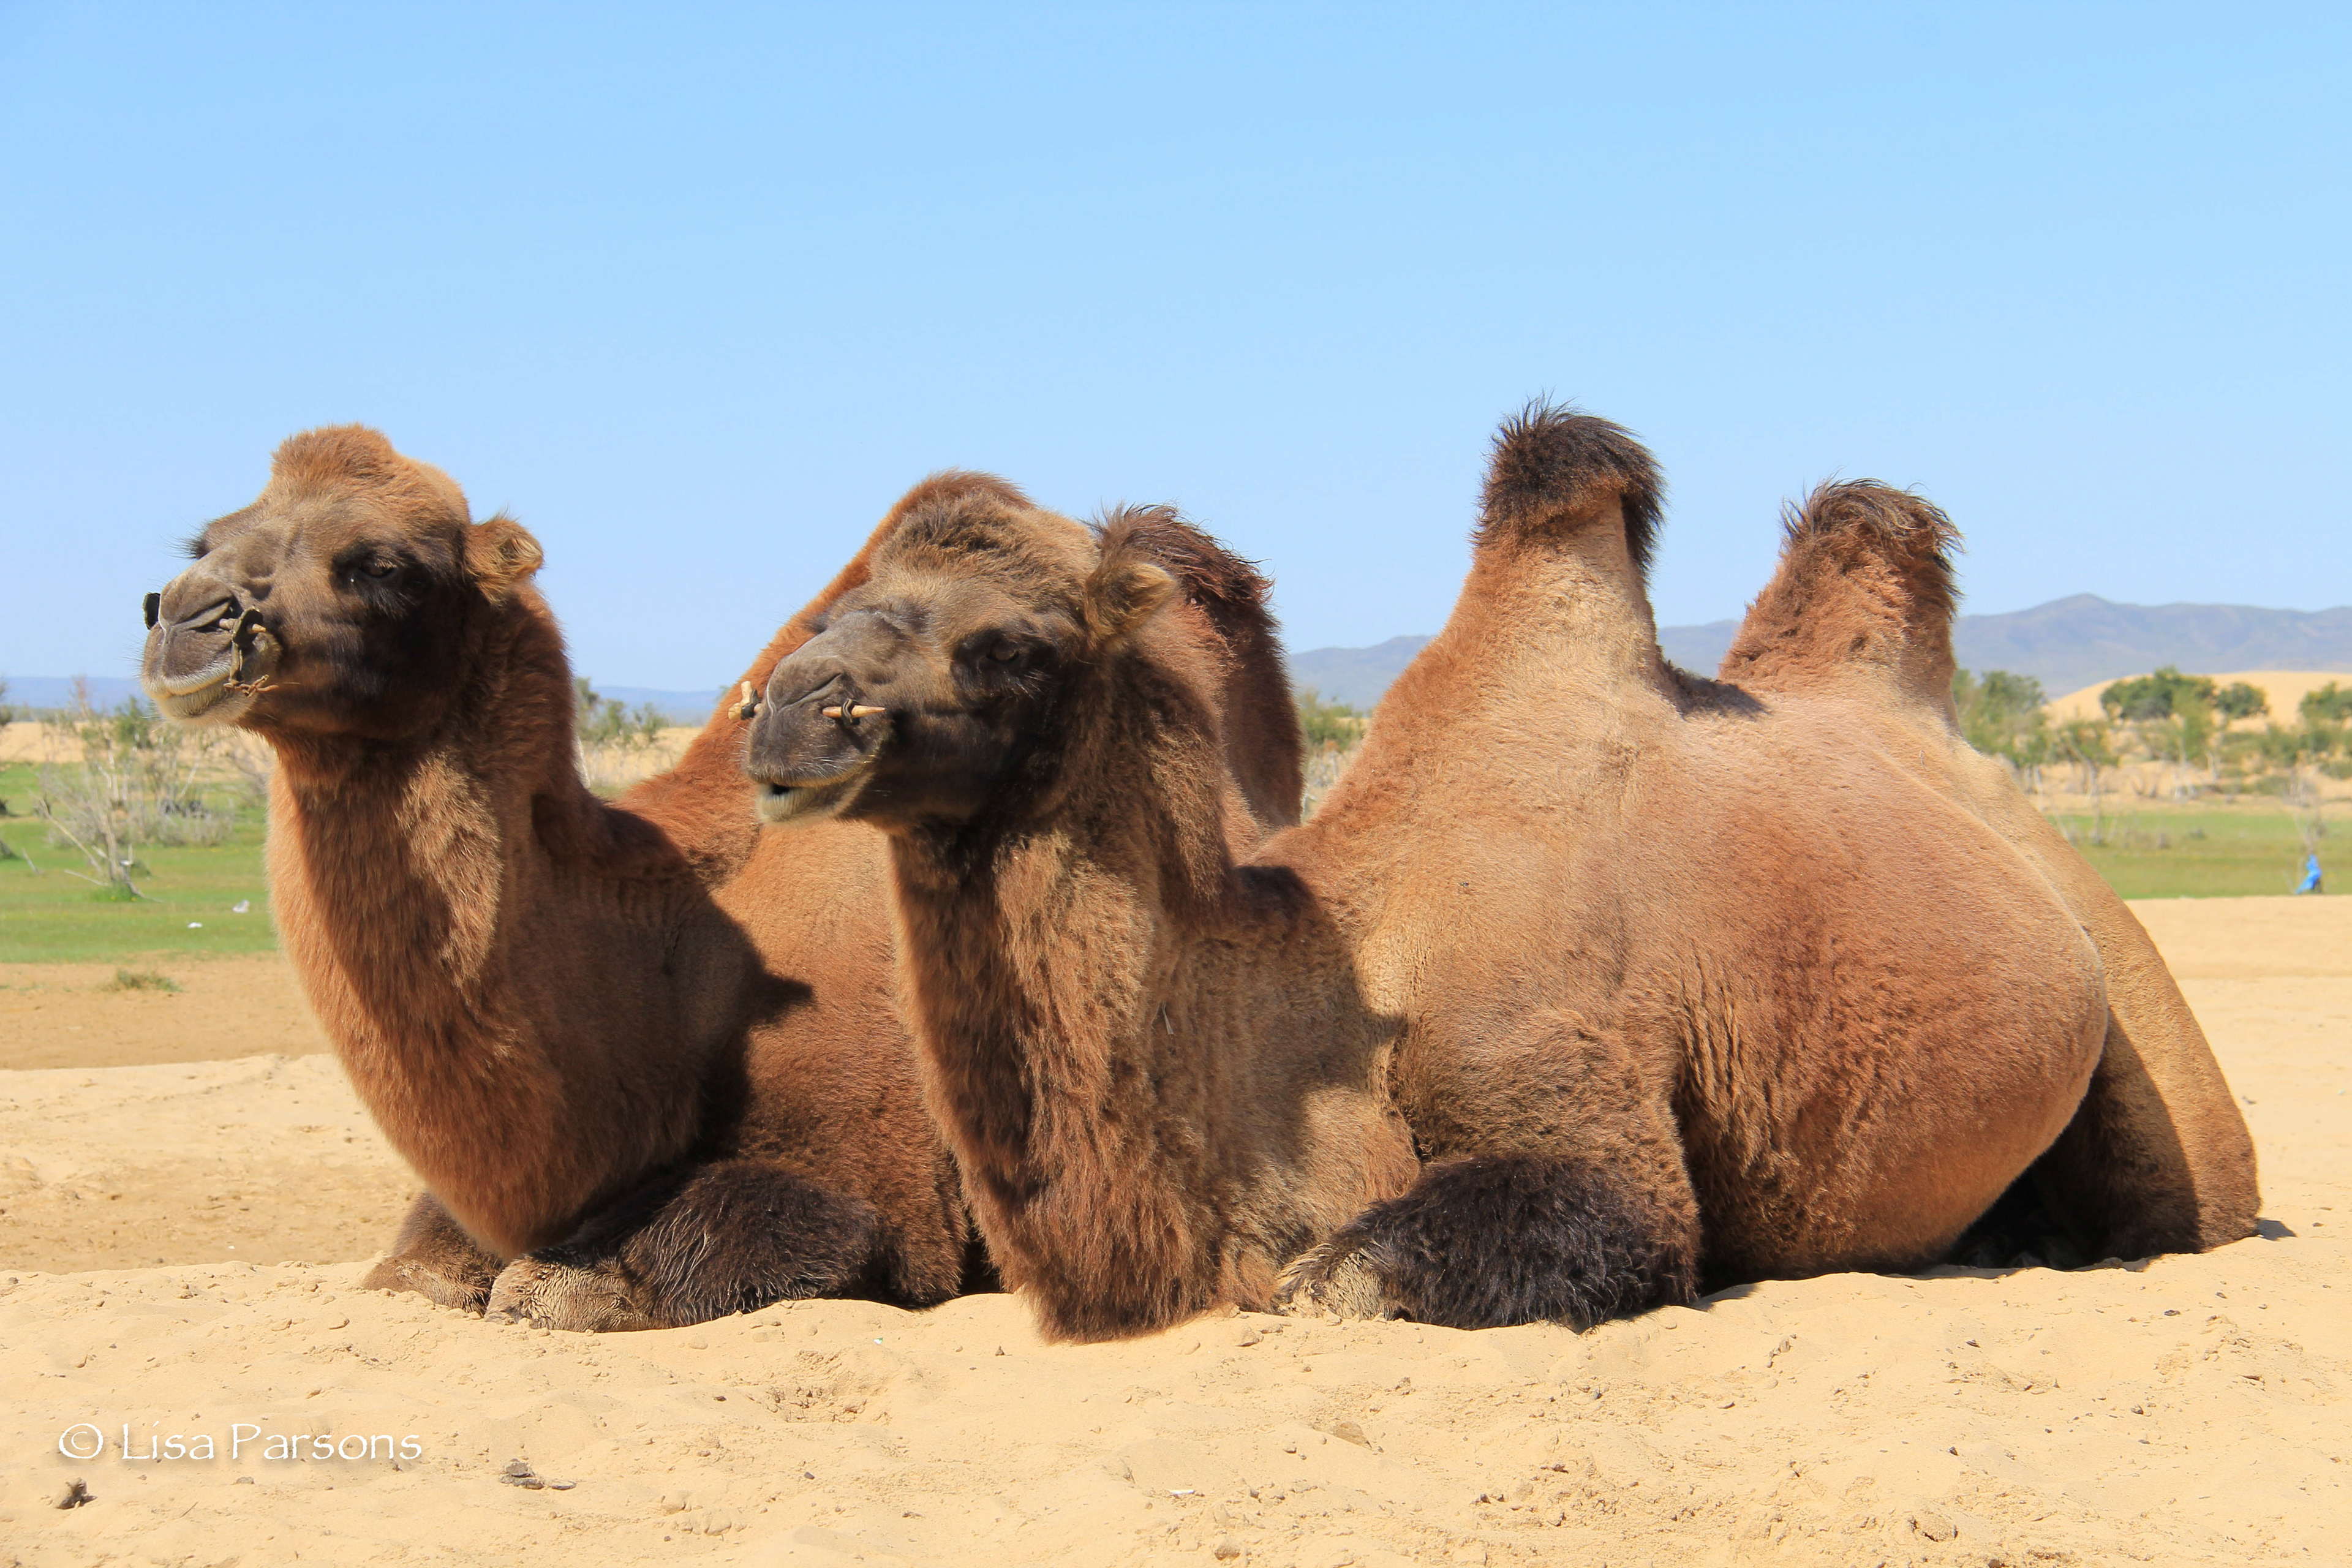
column 1865, row 591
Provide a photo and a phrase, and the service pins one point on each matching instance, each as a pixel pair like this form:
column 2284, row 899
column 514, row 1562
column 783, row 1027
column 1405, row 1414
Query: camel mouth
column 809, row 801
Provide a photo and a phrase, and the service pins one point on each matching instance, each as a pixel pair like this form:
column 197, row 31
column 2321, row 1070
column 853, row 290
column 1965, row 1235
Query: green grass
column 49, row 917
column 2207, row 851
column 140, row 980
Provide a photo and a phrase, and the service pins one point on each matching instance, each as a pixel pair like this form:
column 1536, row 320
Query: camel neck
column 1040, row 949
column 426, row 833
column 429, row 894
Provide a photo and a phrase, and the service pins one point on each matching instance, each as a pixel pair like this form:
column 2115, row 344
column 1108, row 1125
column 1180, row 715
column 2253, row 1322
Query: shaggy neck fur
column 402, row 874
column 1089, row 1120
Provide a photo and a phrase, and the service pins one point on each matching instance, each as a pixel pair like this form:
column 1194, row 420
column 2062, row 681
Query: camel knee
column 1495, row 1240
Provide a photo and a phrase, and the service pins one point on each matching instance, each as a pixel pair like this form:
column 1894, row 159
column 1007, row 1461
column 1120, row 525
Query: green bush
column 2328, row 705
column 2001, row 714
column 2158, row 696
column 2239, row 701
column 1328, row 724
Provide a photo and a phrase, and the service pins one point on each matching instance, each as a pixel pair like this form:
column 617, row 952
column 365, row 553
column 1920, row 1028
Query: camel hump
column 1864, row 588
column 1263, row 746
column 1553, row 470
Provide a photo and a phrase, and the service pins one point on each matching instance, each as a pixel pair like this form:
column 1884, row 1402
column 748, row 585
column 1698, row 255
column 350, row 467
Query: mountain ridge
column 2065, row 644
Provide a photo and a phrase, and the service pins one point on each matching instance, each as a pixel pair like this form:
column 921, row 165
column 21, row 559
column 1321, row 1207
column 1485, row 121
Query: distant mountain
column 1355, row 676
column 56, row 691
column 2073, row 642
column 2065, row 644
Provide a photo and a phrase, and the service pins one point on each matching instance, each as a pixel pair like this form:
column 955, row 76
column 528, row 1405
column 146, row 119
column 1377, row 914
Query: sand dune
column 2284, row 690
column 2179, row 1410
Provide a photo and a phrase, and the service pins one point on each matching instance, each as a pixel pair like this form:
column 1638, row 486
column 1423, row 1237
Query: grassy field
column 48, row 916
column 2204, row 851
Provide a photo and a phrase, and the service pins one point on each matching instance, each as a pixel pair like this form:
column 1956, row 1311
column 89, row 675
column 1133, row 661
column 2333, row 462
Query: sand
column 2184, row 1409
column 76, row 1016
column 2284, row 690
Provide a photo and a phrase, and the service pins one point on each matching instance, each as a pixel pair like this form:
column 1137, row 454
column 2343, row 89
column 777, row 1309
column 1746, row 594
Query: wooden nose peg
column 745, row 706
column 855, row 710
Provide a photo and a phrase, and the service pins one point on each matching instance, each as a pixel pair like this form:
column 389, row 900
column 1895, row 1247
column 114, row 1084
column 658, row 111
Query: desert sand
column 2187, row 1409
column 2282, row 688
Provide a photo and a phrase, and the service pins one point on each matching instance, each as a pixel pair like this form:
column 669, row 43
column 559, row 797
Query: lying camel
column 644, row 1057
column 1589, row 984
column 1855, row 623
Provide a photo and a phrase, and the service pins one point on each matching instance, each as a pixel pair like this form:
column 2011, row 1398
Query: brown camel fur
column 2156, row 1158
column 1588, row 983
column 646, row 1059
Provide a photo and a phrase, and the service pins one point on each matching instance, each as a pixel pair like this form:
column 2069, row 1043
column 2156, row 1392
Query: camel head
column 934, row 686
column 344, row 601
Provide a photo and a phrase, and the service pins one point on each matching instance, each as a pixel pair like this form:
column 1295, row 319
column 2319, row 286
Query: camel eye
column 1005, row 652
column 379, row 569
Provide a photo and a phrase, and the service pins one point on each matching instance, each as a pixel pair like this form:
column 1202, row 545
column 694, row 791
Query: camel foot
column 1342, row 1277
column 546, row 1294
column 410, row 1275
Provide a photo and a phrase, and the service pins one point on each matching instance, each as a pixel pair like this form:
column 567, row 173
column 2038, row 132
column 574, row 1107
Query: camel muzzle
column 196, row 661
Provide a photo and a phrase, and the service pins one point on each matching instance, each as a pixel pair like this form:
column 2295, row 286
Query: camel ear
column 501, row 556
column 1122, row 594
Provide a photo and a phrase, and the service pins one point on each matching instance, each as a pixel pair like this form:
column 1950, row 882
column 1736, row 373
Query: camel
column 2157, row 1157
column 645, row 1057
column 1591, row 984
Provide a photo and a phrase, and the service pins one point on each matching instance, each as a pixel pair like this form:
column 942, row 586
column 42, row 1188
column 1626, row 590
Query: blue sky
column 696, row 291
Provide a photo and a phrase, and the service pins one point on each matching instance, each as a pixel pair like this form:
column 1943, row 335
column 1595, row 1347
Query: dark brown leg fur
column 730, row 1237
column 1497, row 1239
column 2116, row 1178
column 435, row 1258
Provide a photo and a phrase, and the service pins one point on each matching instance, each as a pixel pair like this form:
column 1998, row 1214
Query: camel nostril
column 152, row 607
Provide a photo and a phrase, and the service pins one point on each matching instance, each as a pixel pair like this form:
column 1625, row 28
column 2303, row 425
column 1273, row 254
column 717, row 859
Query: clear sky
column 695, row 291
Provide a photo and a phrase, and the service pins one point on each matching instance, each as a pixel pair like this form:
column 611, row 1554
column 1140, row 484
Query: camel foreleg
column 1497, row 1239
column 1555, row 1192
column 733, row 1236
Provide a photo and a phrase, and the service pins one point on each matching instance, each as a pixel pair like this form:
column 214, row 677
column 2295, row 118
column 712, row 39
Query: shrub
column 1328, row 724
column 2240, row 700
column 2328, row 705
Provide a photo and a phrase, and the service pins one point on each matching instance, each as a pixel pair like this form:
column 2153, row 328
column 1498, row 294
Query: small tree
column 2157, row 696
column 2089, row 744
column 2003, row 716
column 2327, row 705
column 2239, row 701
column 134, row 780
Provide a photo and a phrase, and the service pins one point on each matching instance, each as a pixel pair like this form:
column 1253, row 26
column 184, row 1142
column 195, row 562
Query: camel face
column 927, row 688
column 343, row 601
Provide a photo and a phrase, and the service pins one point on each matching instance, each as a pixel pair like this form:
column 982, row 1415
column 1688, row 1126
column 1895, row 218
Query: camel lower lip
column 213, row 674
column 190, row 703
column 807, row 801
